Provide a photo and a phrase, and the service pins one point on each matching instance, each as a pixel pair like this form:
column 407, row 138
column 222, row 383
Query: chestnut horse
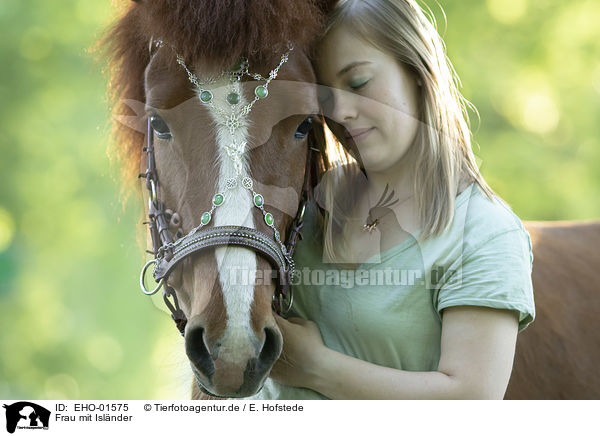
column 557, row 355
column 223, row 150
column 230, row 325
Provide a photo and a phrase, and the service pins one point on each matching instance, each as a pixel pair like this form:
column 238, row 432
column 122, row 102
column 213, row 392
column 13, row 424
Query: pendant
column 370, row 226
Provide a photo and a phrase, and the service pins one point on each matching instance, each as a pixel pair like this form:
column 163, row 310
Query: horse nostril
column 271, row 347
column 197, row 352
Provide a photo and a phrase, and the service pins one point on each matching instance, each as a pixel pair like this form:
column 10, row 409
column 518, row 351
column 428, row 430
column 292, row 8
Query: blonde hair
column 442, row 148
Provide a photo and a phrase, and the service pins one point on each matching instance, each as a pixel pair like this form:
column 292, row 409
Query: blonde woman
column 418, row 280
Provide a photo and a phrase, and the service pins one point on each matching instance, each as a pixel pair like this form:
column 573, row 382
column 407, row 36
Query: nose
column 227, row 367
column 270, row 349
column 198, row 351
column 342, row 106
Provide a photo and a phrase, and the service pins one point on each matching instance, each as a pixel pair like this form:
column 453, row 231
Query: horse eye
column 303, row 128
column 160, row 127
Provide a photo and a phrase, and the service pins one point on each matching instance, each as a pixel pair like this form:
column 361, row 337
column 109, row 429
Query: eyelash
column 356, row 88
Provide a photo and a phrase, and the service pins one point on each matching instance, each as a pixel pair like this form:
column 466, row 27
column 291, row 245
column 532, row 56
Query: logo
column 26, row 415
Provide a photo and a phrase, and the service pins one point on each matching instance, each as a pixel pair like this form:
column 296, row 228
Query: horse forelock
column 223, row 30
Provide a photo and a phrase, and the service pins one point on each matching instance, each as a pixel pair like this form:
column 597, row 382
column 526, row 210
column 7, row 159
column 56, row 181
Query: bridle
column 169, row 252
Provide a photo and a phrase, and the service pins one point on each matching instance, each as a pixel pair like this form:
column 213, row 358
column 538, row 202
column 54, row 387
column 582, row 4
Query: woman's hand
column 302, row 349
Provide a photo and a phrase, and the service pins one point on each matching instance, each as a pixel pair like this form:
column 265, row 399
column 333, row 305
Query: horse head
column 222, row 94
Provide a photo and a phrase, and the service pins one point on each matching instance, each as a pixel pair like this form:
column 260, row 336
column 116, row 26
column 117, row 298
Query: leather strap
column 222, row 236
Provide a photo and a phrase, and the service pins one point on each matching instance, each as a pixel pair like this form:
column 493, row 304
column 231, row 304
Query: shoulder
column 490, row 259
column 486, row 222
column 485, row 217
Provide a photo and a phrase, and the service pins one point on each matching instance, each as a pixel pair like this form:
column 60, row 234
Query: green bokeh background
column 74, row 323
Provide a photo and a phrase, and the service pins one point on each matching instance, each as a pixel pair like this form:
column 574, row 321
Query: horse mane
column 217, row 30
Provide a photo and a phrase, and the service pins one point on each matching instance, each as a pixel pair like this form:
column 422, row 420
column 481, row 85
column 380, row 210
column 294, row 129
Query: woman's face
column 371, row 94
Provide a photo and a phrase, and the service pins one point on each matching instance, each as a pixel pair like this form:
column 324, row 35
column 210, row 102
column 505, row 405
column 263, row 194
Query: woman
column 441, row 266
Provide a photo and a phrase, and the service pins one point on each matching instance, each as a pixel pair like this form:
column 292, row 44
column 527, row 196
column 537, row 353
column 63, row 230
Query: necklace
column 384, row 202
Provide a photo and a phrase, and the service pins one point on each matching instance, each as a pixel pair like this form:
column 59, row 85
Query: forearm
column 344, row 377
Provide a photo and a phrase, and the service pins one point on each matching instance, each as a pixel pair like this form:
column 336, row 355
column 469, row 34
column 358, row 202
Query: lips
column 357, row 134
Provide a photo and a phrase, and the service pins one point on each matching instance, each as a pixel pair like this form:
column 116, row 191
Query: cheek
column 406, row 126
column 402, row 102
column 403, row 122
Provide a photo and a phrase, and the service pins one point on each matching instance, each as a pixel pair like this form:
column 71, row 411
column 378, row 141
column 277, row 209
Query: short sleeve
column 496, row 274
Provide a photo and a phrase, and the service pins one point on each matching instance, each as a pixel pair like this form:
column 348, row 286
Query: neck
column 399, row 177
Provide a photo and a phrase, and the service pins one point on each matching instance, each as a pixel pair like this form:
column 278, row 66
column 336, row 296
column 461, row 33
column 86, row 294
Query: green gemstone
column 261, row 91
column 233, row 98
column 218, row 199
column 258, row 200
column 206, row 96
column 205, row 218
column 269, row 219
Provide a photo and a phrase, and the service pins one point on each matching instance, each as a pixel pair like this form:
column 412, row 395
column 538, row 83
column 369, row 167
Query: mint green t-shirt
column 389, row 313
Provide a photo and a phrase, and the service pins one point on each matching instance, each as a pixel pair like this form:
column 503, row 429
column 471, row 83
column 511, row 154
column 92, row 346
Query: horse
column 557, row 355
column 191, row 149
column 213, row 148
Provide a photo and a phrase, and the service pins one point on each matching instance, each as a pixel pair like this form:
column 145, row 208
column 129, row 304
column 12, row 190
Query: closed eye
column 356, row 85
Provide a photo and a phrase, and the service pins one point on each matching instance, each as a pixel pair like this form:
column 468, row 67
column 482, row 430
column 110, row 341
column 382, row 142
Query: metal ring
column 142, row 276
column 291, row 298
column 281, row 298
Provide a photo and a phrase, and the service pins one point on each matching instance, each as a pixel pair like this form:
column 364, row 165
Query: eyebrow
column 350, row 66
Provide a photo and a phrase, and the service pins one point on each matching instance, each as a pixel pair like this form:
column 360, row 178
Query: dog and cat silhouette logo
column 26, row 415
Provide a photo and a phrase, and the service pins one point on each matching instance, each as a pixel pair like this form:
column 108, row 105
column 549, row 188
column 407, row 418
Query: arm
column 477, row 351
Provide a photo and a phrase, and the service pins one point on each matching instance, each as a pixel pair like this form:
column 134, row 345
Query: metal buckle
column 142, row 276
column 153, row 196
column 301, row 212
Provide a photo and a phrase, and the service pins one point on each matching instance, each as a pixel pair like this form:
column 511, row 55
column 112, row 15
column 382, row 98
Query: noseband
column 168, row 252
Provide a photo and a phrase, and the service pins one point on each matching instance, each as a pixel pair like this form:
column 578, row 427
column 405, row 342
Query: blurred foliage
column 74, row 323
column 532, row 69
